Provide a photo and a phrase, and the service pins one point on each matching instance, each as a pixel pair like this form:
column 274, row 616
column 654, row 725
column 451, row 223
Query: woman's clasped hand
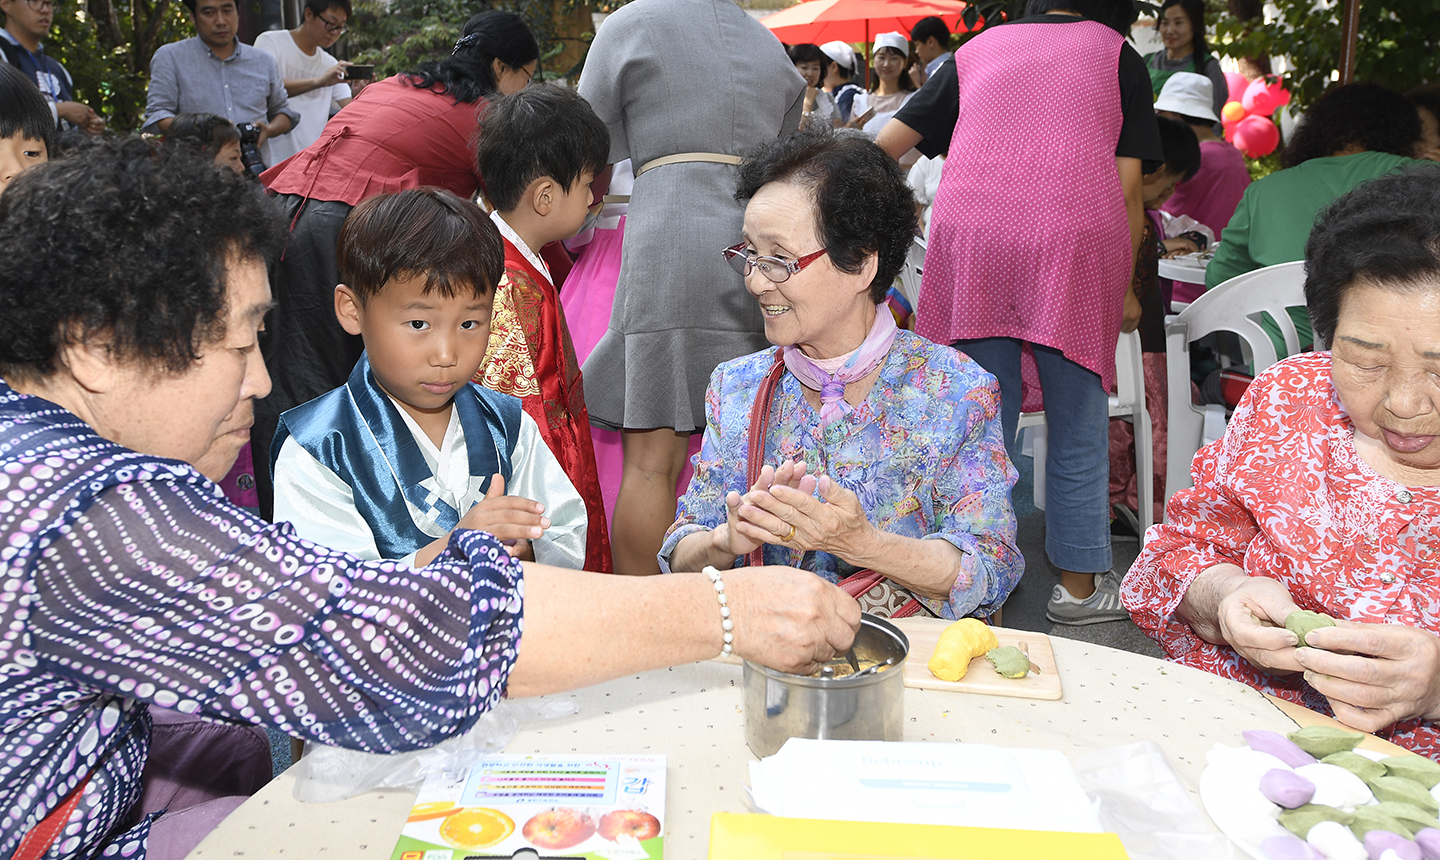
column 782, row 508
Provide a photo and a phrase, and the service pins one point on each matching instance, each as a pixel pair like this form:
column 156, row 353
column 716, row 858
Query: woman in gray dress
column 694, row 84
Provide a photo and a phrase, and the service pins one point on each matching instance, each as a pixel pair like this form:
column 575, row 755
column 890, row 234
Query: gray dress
column 673, row 76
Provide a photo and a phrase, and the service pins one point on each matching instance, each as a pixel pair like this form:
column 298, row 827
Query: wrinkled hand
column 836, row 525
column 512, row 519
column 789, row 619
column 1252, row 620
column 1374, row 674
column 1130, row 316
column 736, row 541
column 1179, row 245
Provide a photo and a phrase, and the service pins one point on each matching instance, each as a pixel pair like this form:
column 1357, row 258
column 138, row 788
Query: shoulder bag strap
column 759, row 427
column 37, row 841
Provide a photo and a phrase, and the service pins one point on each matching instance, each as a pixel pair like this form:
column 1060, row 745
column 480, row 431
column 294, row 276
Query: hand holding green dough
column 1302, row 621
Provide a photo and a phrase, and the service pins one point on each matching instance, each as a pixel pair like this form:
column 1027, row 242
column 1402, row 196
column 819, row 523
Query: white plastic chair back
column 1234, row 306
column 909, row 280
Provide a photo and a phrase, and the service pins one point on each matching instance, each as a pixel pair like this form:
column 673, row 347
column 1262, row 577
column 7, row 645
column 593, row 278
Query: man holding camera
column 314, row 80
column 214, row 72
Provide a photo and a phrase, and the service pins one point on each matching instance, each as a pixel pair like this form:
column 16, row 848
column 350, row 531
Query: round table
column 1189, row 269
column 692, row 714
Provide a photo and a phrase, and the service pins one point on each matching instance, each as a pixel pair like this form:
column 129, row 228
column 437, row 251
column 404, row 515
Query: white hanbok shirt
column 321, row 506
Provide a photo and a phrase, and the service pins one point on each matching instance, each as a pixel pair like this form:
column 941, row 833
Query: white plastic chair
column 1127, row 402
column 1234, row 306
column 910, row 273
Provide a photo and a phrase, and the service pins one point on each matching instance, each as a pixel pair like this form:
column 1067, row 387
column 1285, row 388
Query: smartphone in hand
column 360, row 73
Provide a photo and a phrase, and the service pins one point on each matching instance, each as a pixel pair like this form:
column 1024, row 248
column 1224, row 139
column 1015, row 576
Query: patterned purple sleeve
column 162, row 594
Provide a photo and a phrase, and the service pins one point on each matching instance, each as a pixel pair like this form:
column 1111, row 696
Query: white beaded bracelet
column 725, row 622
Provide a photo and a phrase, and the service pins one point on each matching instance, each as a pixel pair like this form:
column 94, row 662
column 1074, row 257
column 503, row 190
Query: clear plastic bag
column 327, row 774
column 1142, row 800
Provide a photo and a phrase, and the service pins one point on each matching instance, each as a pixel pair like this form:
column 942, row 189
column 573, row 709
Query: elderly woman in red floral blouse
column 1325, row 492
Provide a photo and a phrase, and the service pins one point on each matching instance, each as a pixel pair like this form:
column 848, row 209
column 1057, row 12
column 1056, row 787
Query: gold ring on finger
column 789, row 536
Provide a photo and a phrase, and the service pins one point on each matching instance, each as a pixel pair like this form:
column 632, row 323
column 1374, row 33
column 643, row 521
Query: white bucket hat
column 1189, row 94
column 893, row 40
column 841, row 53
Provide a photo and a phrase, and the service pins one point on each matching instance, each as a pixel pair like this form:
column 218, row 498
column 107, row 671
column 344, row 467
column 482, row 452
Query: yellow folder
column 767, row 837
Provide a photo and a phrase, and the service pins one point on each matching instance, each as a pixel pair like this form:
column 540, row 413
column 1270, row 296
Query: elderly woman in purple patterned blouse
column 900, row 436
column 132, row 293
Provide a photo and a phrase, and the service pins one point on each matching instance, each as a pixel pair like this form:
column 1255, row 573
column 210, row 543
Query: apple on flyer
column 608, row 807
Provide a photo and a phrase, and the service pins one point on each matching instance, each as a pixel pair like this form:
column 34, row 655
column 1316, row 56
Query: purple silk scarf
column 829, row 376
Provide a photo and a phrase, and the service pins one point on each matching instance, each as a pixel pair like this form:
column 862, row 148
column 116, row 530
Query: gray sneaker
column 1103, row 605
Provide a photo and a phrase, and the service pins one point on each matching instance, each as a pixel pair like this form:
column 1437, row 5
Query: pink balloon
column 1256, row 136
column 1235, row 84
column 1263, row 97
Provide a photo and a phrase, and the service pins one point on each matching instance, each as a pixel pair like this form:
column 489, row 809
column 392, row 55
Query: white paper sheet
column 973, row 785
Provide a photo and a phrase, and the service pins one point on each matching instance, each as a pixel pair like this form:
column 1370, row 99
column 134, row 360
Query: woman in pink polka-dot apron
column 1032, row 243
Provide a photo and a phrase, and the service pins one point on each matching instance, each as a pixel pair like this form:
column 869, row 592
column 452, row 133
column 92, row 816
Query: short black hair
column 930, row 26
column 419, row 231
column 190, row 4
column 320, row 7
column 809, row 52
column 542, row 130
column 204, row 131
column 863, row 205
column 1181, row 148
column 24, row 112
column 1365, row 114
column 114, row 241
column 1118, row 15
column 1426, row 96
column 1384, row 233
column 467, row 74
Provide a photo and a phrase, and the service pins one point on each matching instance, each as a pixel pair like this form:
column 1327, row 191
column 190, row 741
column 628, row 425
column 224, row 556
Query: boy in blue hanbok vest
column 409, row 449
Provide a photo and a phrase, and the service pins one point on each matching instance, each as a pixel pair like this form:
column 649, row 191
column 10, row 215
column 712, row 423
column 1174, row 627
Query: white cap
column 1189, row 94
column 841, row 53
column 893, row 40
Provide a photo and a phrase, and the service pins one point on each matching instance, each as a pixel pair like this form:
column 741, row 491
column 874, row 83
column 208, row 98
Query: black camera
column 250, row 149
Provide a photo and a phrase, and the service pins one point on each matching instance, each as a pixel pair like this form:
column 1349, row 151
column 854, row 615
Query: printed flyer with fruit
column 608, row 807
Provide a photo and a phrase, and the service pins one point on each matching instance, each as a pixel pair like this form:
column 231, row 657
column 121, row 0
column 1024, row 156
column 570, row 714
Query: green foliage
column 397, row 35
column 1399, row 43
column 107, row 46
column 1264, row 165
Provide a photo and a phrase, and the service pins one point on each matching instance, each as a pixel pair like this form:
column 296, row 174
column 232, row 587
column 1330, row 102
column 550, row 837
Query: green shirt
column 1274, row 219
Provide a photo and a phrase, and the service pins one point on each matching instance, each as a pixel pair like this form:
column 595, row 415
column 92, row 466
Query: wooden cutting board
column 981, row 677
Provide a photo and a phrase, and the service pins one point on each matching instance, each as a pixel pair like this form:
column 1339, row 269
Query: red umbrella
column 820, row 21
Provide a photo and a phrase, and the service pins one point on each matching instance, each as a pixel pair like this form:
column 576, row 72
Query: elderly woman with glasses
column 863, row 453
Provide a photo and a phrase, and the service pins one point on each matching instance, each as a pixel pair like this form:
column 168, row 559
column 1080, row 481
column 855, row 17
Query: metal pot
column 867, row 707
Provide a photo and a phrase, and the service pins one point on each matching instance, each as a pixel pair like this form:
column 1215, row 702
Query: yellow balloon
column 1232, row 112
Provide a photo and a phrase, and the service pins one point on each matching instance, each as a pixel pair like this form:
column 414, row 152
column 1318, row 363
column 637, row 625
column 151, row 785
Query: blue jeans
column 1077, row 470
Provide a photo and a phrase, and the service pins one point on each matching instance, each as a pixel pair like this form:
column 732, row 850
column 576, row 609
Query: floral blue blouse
column 924, row 453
